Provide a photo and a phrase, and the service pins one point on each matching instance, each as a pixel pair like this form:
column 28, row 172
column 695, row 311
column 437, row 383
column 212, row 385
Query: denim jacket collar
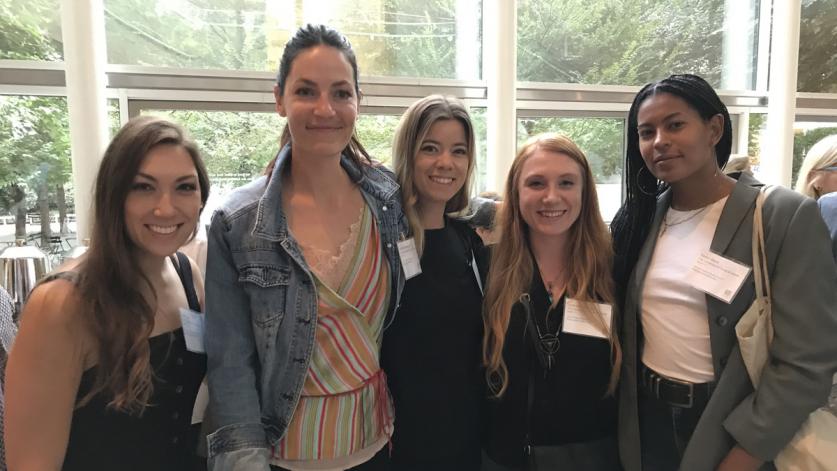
column 271, row 223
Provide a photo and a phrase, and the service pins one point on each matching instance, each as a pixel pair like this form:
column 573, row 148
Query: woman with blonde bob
column 818, row 174
column 438, row 391
column 818, row 179
column 551, row 354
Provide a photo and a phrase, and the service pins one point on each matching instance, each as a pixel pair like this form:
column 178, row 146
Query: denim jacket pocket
column 267, row 287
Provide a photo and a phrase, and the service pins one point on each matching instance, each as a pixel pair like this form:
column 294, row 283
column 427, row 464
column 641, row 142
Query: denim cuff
column 236, row 437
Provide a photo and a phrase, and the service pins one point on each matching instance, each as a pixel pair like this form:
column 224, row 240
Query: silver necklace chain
column 694, row 213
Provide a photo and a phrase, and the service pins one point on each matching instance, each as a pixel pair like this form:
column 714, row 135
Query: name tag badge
column 717, row 276
column 409, row 258
column 576, row 320
column 193, row 329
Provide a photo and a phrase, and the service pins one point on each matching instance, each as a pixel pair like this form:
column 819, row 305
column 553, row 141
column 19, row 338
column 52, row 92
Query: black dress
column 432, row 355
column 162, row 438
column 568, row 404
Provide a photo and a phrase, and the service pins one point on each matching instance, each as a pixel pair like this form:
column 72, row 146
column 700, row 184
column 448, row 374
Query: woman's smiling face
column 550, row 191
column 441, row 162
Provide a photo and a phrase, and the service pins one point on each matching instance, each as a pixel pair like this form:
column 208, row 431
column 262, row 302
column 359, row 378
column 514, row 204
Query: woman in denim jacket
column 302, row 272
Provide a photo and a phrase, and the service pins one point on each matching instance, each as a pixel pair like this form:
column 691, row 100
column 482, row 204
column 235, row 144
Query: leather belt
column 674, row 391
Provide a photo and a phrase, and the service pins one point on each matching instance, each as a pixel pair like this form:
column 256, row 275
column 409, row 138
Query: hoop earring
column 639, row 185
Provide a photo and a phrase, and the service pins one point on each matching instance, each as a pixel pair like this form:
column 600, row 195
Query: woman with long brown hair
column 551, row 354
column 99, row 376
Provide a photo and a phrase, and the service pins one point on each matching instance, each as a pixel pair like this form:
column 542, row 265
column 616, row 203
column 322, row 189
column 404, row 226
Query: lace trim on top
column 329, row 267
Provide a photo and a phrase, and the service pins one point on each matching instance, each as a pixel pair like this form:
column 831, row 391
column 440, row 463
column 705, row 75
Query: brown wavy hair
column 512, row 267
column 111, row 283
column 413, row 128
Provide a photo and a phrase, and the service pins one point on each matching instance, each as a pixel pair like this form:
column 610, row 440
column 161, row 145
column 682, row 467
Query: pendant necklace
column 549, row 343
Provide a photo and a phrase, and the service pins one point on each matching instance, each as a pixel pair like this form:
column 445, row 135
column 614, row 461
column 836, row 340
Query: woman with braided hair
column 686, row 401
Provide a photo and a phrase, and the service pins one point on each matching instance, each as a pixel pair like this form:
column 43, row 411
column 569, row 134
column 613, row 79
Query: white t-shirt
column 675, row 322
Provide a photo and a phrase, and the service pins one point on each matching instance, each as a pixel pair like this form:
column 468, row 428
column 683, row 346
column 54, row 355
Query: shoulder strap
column 761, row 274
column 471, row 246
column 476, row 272
column 530, row 406
column 184, row 271
column 530, row 328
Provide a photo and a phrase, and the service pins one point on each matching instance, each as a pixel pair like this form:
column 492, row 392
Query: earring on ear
column 642, row 189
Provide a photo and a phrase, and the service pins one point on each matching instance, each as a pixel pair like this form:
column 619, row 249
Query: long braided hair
column 631, row 224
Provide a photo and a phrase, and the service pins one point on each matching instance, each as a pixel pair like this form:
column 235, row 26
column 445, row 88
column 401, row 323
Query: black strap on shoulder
column 530, row 384
column 473, row 245
column 184, row 270
column 530, row 406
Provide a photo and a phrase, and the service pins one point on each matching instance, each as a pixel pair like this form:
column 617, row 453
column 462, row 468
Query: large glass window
column 817, row 47
column 36, row 197
column 805, row 135
column 630, row 42
column 601, row 140
column 437, row 38
column 30, row 30
column 236, row 146
column 478, row 119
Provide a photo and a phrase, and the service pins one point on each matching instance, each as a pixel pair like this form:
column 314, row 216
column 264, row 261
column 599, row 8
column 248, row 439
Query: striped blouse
column 345, row 411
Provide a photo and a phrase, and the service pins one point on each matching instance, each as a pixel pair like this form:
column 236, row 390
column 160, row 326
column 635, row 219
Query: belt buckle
column 691, row 393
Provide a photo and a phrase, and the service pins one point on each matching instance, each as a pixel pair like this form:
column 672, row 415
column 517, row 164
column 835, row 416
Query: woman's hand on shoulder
column 42, row 377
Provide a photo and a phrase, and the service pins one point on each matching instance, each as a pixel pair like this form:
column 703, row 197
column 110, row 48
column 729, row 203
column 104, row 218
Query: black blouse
column 432, row 354
column 569, row 403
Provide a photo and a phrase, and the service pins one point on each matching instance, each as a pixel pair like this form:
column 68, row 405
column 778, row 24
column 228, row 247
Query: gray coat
column 804, row 353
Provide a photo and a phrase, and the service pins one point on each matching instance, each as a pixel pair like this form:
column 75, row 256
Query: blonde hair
column 589, row 276
column 412, row 130
column 737, row 163
column 821, row 155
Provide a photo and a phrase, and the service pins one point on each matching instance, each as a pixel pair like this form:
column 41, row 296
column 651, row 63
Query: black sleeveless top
column 162, row 438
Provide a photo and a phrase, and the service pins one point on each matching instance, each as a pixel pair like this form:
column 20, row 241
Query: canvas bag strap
column 760, row 272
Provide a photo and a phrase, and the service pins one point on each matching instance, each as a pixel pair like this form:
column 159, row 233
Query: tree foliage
column 34, row 132
column 817, row 47
column 599, row 138
column 624, row 42
column 35, row 155
column 30, row 30
column 207, row 34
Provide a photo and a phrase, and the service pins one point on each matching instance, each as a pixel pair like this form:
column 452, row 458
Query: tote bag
column 814, row 447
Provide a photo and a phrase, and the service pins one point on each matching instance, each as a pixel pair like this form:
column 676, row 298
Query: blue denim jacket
column 261, row 310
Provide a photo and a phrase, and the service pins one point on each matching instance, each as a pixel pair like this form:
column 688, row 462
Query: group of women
column 352, row 322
